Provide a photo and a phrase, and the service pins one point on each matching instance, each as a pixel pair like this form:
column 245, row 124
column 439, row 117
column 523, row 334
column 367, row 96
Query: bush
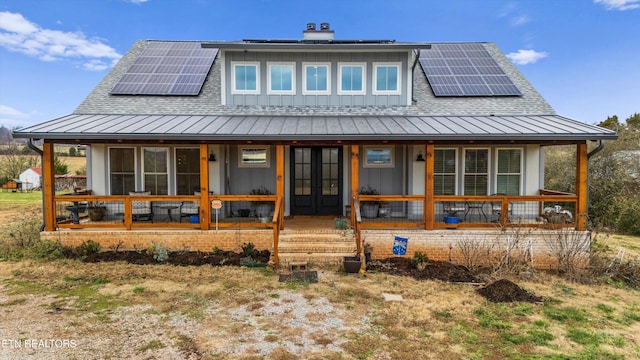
column 419, row 260
column 248, row 249
column 159, row 252
column 629, row 218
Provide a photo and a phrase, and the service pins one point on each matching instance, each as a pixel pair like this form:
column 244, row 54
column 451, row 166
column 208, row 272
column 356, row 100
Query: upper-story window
column 281, row 79
column 352, row 78
column 316, row 79
column 246, row 78
column 386, row 78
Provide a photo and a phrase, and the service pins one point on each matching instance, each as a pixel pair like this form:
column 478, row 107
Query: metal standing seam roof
column 327, row 128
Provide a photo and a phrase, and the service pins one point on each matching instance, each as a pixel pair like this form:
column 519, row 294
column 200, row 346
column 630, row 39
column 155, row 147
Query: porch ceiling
column 132, row 127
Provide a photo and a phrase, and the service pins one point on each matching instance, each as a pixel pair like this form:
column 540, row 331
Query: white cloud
column 137, row 1
column 7, row 111
column 519, row 20
column 621, row 5
column 20, row 35
column 11, row 117
column 524, row 57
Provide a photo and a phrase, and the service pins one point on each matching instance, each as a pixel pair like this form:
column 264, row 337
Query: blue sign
column 400, row 245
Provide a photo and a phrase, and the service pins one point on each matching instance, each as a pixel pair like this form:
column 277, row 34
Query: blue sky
column 583, row 56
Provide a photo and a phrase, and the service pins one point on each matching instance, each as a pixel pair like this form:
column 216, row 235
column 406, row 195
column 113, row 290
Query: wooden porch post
column 428, row 188
column 280, row 180
column 205, row 206
column 48, row 188
column 581, row 186
column 355, row 163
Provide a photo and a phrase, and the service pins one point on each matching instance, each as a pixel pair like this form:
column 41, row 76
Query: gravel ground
column 280, row 321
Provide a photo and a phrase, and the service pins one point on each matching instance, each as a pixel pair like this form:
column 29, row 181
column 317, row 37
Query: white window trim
column 457, row 166
column 144, row 173
column 293, row 78
column 366, row 164
column 251, row 165
column 233, row 77
column 364, row 78
column 375, row 91
column 135, row 165
column 521, row 173
column 305, row 65
column 463, row 167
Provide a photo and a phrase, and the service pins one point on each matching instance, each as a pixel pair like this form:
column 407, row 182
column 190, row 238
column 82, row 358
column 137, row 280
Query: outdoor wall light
column 420, row 157
column 212, row 157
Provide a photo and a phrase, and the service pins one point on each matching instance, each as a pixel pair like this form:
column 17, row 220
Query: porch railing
column 407, row 211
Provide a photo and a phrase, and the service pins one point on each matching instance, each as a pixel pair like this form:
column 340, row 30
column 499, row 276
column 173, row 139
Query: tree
column 59, row 166
column 72, row 151
column 611, row 123
column 13, row 163
column 633, row 121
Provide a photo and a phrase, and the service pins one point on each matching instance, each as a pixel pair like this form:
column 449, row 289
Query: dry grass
column 117, row 310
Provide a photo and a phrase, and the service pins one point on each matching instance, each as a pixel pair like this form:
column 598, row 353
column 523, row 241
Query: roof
column 103, row 116
column 105, row 127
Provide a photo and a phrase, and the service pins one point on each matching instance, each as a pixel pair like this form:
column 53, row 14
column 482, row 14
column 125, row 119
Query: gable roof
column 103, row 116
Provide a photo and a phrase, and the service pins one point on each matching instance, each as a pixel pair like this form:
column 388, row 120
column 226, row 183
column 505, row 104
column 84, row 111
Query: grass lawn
column 118, row 310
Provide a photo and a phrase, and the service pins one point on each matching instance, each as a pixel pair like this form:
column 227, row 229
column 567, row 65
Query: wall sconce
column 212, row 157
column 420, row 157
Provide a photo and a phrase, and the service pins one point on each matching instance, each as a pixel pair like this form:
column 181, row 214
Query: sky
column 583, row 56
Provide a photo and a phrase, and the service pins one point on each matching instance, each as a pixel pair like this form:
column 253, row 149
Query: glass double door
column 316, row 180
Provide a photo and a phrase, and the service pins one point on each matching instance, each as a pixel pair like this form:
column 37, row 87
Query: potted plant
column 97, row 210
column 351, row 264
column 452, row 217
column 369, row 208
column 263, row 209
column 341, row 223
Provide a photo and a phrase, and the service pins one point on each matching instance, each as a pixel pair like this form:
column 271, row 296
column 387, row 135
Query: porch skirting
column 193, row 240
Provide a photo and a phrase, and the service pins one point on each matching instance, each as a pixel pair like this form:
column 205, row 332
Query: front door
column 316, row 174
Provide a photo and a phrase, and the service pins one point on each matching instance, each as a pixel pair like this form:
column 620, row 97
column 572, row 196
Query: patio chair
column 189, row 208
column 141, row 210
column 496, row 209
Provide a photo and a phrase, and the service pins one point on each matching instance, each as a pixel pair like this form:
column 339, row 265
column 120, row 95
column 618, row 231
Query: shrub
column 419, row 260
column 159, row 252
column 248, row 249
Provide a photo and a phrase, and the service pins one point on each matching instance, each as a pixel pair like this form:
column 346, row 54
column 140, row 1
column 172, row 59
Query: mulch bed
column 197, row 258
column 433, row 270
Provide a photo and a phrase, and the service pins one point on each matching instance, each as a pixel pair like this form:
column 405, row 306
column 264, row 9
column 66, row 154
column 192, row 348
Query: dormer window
column 281, row 78
column 386, row 78
column 352, row 79
column 316, row 79
column 246, row 78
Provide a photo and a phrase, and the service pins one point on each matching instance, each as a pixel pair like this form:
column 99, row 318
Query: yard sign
column 400, row 245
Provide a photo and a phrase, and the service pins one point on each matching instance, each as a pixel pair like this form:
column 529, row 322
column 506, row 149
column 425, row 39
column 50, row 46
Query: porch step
column 314, row 247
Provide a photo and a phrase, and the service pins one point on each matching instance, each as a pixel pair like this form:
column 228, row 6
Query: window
column 509, row 171
column 281, row 78
column 187, row 171
column 476, row 171
column 122, row 173
column 378, row 156
column 386, row 79
column 155, row 170
column 316, row 79
column 444, row 173
column 352, row 79
column 245, row 78
column 253, row 156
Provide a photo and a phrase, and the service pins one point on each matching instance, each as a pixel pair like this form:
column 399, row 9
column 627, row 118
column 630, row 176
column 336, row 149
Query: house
column 30, row 178
column 443, row 135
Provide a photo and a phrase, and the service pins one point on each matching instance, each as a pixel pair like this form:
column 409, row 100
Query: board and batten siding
column 299, row 99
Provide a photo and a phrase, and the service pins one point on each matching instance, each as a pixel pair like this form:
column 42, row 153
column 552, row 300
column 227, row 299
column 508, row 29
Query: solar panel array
column 167, row 68
column 465, row 70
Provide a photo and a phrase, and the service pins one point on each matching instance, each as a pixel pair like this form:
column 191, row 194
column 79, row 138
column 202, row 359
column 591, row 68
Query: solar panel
column 167, row 68
column 465, row 70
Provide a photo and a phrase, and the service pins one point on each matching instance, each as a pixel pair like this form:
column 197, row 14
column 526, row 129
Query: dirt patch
column 184, row 258
column 507, row 291
column 433, row 270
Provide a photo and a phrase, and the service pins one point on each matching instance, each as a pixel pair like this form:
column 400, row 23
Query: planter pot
column 264, row 210
column 341, row 224
column 451, row 220
column 370, row 210
column 97, row 213
column 351, row 264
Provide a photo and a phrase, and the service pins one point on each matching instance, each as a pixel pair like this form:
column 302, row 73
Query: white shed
column 30, row 178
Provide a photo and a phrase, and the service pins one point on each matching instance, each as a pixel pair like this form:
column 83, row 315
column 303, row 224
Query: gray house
column 198, row 134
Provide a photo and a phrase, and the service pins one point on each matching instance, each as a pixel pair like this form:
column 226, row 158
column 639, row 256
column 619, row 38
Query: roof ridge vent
column 324, row 34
